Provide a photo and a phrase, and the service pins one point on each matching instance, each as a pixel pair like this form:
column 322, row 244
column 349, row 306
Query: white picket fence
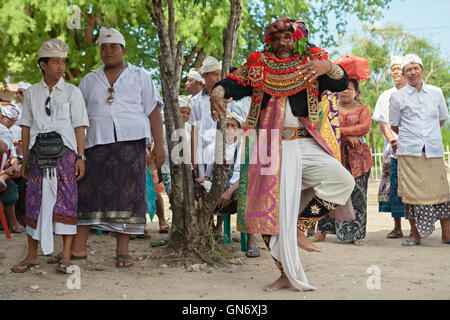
column 375, row 172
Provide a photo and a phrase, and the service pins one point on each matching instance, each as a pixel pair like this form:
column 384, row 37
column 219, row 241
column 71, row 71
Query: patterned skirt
column 425, row 216
column 113, row 189
column 394, row 202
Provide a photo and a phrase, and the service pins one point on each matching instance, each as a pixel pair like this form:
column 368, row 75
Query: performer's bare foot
column 280, row 283
column 306, row 244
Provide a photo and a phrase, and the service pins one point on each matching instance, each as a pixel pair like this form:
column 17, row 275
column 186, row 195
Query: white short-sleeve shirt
column 135, row 97
column 417, row 115
column 67, row 108
column 381, row 114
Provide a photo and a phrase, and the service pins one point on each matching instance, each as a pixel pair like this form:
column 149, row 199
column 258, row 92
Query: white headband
column 110, row 36
column 184, row 101
column 210, row 64
column 411, row 58
column 396, row 60
column 53, row 48
column 194, row 74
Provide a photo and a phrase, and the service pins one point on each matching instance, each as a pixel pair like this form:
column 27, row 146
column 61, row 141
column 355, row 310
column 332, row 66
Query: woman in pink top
column 355, row 121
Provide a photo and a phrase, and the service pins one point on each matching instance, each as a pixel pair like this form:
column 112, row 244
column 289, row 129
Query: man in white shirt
column 416, row 114
column 388, row 199
column 203, row 133
column 54, row 115
column 124, row 107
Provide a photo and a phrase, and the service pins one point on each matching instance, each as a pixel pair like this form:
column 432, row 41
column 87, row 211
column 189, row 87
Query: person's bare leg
column 445, row 225
column 218, row 229
column 32, row 256
column 79, row 241
column 67, row 248
column 11, row 214
column 123, row 241
column 414, row 233
column 304, row 243
column 280, row 283
column 398, row 224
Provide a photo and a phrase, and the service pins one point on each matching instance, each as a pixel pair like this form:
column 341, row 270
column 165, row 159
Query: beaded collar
column 274, row 76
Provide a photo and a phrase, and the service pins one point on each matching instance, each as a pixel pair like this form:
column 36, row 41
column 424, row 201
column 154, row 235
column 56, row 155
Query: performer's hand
column 79, row 169
column 316, row 68
column 226, row 196
column 394, row 145
column 218, row 108
column 158, row 155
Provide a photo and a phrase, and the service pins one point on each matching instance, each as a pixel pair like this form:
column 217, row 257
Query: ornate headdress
column 298, row 29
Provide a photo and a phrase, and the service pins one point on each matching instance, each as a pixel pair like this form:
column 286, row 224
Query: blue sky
column 425, row 18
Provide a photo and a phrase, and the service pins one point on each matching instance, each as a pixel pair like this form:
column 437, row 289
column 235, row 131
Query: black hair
column 43, row 60
column 232, row 69
column 357, row 89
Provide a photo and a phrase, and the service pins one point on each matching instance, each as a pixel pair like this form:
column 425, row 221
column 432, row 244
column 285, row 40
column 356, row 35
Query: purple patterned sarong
column 65, row 210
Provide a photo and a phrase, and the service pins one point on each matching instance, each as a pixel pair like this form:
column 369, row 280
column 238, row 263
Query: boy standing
column 53, row 122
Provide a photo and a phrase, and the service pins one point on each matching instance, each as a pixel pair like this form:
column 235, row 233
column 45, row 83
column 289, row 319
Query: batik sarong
column 114, row 187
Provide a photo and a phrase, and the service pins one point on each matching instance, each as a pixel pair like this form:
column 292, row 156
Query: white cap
column 194, row 74
column 235, row 116
column 23, row 85
column 53, row 48
column 184, row 101
column 411, row 58
column 210, row 64
column 10, row 111
column 110, row 36
column 396, row 60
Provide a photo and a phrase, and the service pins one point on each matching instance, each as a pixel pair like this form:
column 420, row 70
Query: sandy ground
column 340, row 271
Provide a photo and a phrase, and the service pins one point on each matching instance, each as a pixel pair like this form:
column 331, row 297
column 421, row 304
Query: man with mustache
column 291, row 156
column 416, row 113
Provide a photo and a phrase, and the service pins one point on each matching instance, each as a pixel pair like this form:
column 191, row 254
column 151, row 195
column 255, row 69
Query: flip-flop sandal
column 313, row 239
column 143, row 236
column 123, row 258
column 408, row 243
column 54, row 259
column 18, row 230
column 394, row 234
column 27, row 266
column 58, row 257
column 66, row 264
column 252, row 252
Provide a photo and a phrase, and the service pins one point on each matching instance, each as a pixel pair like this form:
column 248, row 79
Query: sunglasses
column 47, row 108
column 110, row 99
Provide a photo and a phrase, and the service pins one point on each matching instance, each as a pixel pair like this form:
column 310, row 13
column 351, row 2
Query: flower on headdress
column 268, row 39
column 297, row 35
column 315, row 50
column 284, row 19
column 254, row 56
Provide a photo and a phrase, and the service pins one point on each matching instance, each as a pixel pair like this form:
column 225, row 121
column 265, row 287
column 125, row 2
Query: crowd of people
column 95, row 156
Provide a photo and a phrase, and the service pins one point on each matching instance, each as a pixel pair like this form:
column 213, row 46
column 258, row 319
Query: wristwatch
column 83, row 157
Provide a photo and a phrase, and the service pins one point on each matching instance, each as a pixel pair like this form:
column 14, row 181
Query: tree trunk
column 191, row 219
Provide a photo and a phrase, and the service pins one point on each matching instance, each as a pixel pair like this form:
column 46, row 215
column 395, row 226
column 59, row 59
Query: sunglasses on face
column 47, row 108
column 110, row 99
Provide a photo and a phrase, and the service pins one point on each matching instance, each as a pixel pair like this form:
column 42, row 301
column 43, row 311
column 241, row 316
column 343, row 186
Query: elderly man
column 53, row 122
column 416, row 114
column 203, row 132
column 288, row 83
column 194, row 82
column 123, row 106
column 388, row 198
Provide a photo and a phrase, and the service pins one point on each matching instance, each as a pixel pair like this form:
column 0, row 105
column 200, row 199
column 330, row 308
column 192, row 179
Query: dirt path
column 340, row 271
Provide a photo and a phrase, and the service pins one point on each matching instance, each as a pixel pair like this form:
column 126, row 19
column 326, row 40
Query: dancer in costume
column 291, row 156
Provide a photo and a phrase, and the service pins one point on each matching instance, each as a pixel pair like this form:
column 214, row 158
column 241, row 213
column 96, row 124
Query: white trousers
column 315, row 170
